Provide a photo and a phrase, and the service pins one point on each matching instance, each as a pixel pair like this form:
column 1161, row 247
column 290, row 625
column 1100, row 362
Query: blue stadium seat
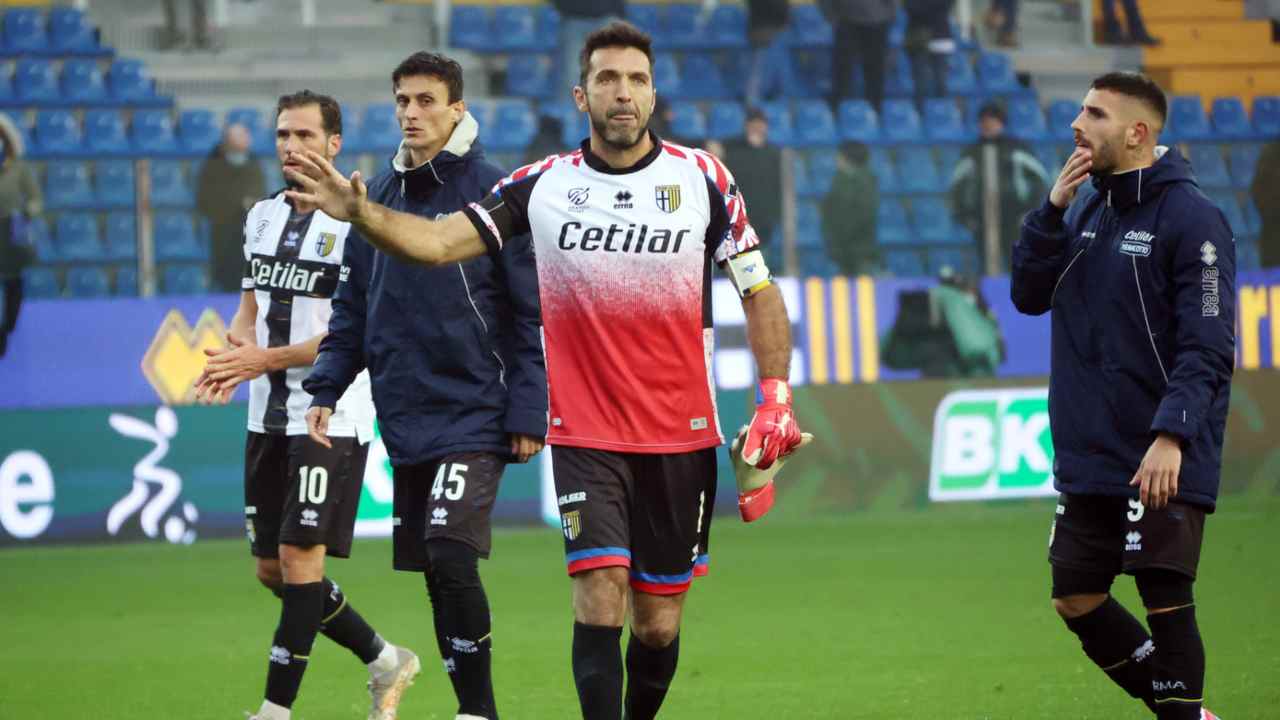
column 996, row 75
column 1252, row 218
column 808, row 27
column 900, row 122
column 129, row 84
column 932, row 220
column 71, row 34
column 891, row 223
column 169, row 187
column 470, row 28
column 34, row 82
column 532, row 76
column 1244, row 161
column 814, row 262
column 40, row 283
column 904, row 263
column 948, row 159
column 516, row 28
column 917, row 172
column 249, row 117
column 886, row 174
column 515, row 124
column 821, row 171
column 898, row 29
column 810, row 74
column 549, row 28
column 781, row 129
column 381, row 130
column 66, row 186
column 121, row 236
column 175, row 238
column 152, row 133
column 666, row 75
column 198, row 132
column 683, row 27
column 1266, row 117
column 126, row 281
column 1226, row 201
column 725, row 120
column 24, row 31
column 859, row 122
column 261, row 129
column 727, row 27
column 800, row 176
column 77, row 239
column 700, row 77
column 1187, row 120
column 961, row 261
column 687, row 121
column 814, row 126
column 898, row 80
column 87, row 281
column 1026, row 121
column 1053, row 156
column 943, row 122
column 352, row 131
column 105, row 134
column 1230, row 120
column 1061, row 114
column 274, row 177
column 41, row 239
column 7, row 98
column 82, row 82
column 644, row 16
column 961, row 79
column 1247, row 255
column 1208, row 166
column 184, row 280
column 56, row 134
column 808, row 224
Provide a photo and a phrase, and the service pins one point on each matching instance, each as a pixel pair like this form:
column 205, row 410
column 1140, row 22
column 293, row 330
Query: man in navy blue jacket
column 455, row 358
column 1139, row 269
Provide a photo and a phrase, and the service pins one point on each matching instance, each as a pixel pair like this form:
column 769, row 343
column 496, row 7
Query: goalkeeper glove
column 755, row 486
column 773, row 431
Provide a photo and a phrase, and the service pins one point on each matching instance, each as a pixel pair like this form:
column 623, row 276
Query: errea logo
column 440, row 516
column 310, row 518
column 1133, row 541
column 1208, row 253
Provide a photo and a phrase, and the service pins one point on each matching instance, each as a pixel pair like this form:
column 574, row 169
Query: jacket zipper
column 1143, row 302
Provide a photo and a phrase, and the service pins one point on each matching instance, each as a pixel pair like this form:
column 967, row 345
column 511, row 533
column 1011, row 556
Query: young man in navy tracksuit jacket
column 456, row 366
column 1138, row 267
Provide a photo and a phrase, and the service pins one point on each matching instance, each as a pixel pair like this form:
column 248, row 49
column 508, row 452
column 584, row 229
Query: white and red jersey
column 624, row 262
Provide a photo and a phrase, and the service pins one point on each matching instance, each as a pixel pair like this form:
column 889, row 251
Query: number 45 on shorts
column 450, row 474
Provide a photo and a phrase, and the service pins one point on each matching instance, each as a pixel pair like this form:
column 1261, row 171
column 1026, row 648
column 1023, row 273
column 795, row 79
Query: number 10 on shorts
column 451, row 474
column 313, row 484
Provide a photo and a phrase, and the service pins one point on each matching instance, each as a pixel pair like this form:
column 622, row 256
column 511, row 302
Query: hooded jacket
column 454, row 352
column 1140, row 274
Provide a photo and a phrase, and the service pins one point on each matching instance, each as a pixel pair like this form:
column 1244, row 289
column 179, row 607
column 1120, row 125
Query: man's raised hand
column 317, row 182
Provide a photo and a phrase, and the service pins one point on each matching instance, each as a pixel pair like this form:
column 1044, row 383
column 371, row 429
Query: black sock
column 343, row 625
column 1177, row 667
column 300, row 612
column 442, row 638
column 649, row 673
column 1117, row 643
column 597, row 670
column 464, row 618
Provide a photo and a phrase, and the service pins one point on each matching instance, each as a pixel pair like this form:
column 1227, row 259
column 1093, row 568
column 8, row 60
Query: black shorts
column 298, row 492
column 649, row 513
column 1101, row 536
column 449, row 499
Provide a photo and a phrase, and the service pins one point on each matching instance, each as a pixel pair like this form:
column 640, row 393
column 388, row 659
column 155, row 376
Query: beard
column 614, row 137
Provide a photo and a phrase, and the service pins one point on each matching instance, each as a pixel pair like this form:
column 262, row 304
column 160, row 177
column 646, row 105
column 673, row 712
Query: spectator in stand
column 174, row 38
column 228, row 185
column 861, row 29
column 1002, row 19
column 1006, row 167
column 1113, row 33
column 546, row 141
column 929, row 44
column 660, row 123
column 757, row 166
column 849, row 213
column 20, row 200
column 769, row 73
column 1265, row 192
column 577, row 18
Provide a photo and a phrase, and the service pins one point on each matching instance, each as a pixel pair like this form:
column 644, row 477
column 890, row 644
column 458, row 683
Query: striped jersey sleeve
column 504, row 213
column 730, row 232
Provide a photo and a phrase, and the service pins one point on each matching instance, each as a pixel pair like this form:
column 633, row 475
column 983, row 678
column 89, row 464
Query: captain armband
column 749, row 273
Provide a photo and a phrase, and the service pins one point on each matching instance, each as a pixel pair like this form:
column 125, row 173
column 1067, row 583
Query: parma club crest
column 325, row 243
column 572, row 523
column 667, row 197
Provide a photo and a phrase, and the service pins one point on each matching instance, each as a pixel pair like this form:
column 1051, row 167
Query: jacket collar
column 434, row 172
column 596, row 163
column 1125, row 190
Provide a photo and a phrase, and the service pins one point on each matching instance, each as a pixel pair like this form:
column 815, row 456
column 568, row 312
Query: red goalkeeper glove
column 773, row 431
column 755, row 486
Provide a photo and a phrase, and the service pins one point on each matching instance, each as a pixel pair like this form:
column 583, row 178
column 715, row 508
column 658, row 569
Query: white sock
column 386, row 660
column 272, row 711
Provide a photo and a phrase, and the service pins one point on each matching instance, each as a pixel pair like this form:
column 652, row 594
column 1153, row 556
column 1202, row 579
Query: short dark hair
column 330, row 111
column 618, row 33
column 1135, row 85
column 994, row 109
column 755, row 113
column 443, row 68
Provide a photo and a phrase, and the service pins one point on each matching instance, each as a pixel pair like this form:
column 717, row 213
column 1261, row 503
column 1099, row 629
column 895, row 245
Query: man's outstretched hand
column 317, row 182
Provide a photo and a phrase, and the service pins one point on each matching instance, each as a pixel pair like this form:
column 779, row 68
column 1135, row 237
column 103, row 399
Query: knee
column 656, row 633
column 1163, row 590
column 268, row 573
column 302, row 564
column 1073, row 606
column 600, row 596
column 452, row 566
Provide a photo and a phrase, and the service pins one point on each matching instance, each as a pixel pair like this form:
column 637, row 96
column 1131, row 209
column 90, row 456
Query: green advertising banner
column 991, row 444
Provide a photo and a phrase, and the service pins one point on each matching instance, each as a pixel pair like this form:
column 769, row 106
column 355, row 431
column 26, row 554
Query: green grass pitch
column 936, row 613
